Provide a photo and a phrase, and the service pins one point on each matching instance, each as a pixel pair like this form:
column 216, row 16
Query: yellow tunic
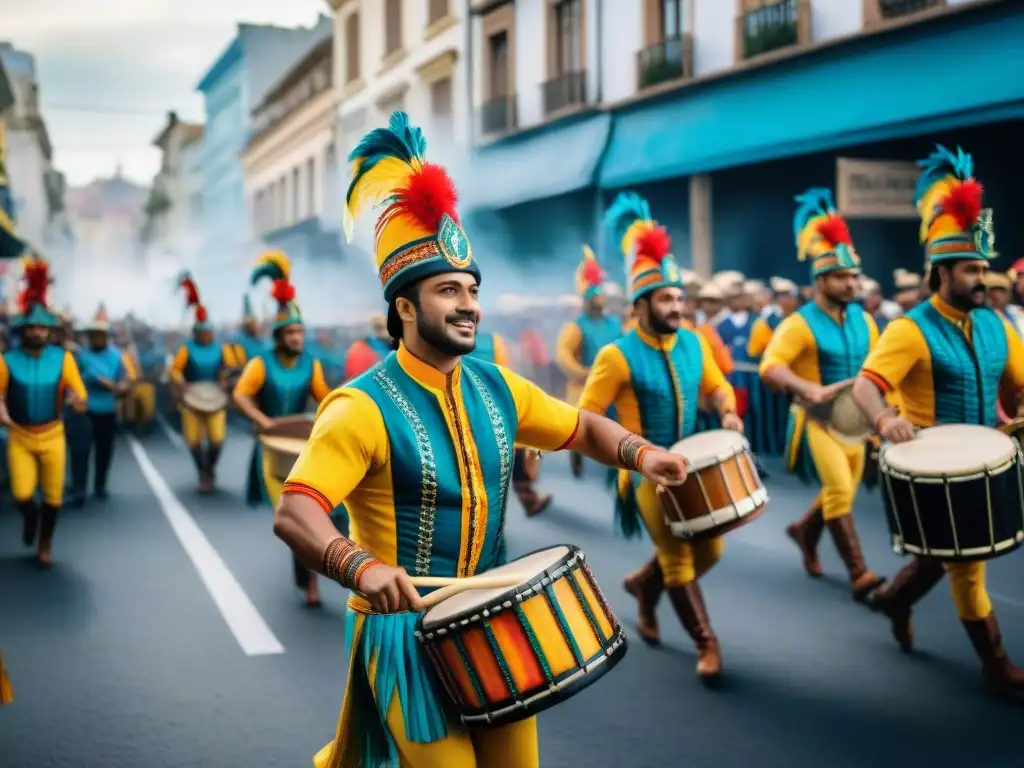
column 760, row 336
column 901, row 363
column 197, row 427
column 567, row 358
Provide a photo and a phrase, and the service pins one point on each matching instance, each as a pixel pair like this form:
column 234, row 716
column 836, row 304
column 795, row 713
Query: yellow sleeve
column 500, row 351
column 1015, row 356
column 545, row 422
column 760, row 336
column 71, row 378
column 898, row 350
column 608, row 374
column 348, row 441
column 566, row 350
column 789, row 341
column 712, row 379
column 252, row 379
column 178, row 363
column 5, row 376
column 131, row 370
column 319, row 388
column 872, row 330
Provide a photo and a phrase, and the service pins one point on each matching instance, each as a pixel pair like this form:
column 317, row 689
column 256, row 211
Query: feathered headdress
column 822, row 236
column 418, row 233
column 589, row 275
column 948, row 199
column 32, row 301
column 275, row 266
column 641, row 238
column 186, row 282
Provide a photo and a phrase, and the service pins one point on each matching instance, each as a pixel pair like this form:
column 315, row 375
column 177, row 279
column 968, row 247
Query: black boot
column 48, row 523
column 30, row 514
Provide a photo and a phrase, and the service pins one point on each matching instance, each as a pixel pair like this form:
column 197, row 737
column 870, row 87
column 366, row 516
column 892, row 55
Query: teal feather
column 940, row 164
column 399, row 140
column 269, row 270
column 627, row 208
column 813, row 202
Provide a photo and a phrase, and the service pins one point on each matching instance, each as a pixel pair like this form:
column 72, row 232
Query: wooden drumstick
column 450, row 586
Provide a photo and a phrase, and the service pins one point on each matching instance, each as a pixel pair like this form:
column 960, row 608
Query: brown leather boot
column 897, row 598
column 533, row 502
column 999, row 671
column 862, row 581
column 689, row 604
column 646, row 585
column 806, row 533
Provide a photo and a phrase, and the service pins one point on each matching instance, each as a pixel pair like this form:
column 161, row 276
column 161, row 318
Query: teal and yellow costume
column 655, row 383
column 946, row 366
column 423, row 460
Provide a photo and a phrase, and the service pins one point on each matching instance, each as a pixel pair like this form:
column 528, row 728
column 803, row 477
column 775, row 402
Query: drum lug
column 897, row 545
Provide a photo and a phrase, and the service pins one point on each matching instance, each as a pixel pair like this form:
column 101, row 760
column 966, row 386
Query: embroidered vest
column 965, row 376
column 286, row 390
column 425, row 464
column 596, row 333
column 204, row 361
column 666, row 384
column 34, row 385
column 484, row 349
column 842, row 349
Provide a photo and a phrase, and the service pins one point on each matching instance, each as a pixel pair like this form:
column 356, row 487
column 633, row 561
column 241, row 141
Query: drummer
column 814, row 355
column 675, row 366
column 200, row 360
column 274, row 386
column 958, row 238
column 414, row 448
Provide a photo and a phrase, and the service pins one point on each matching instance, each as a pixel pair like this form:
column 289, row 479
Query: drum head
column 289, row 446
column 848, row 423
column 954, row 453
column 709, row 448
column 529, row 566
column 205, row 396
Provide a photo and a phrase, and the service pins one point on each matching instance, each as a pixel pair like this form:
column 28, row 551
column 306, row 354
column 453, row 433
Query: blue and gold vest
column 204, row 362
column 484, row 349
column 842, row 349
column 33, row 388
column 596, row 333
column 286, row 390
column 425, row 468
column 965, row 375
column 100, row 364
column 666, row 384
column 252, row 346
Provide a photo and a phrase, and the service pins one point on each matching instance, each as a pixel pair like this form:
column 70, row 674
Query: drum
column 204, row 397
column 723, row 490
column 843, row 419
column 284, row 442
column 504, row 655
column 956, row 493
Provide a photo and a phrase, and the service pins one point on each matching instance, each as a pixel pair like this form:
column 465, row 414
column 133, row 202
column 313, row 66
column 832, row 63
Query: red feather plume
column 654, row 244
column 834, row 230
column 37, row 281
column 191, row 292
column 963, row 203
column 591, row 273
column 200, row 313
column 282, row 291
column 427, row 196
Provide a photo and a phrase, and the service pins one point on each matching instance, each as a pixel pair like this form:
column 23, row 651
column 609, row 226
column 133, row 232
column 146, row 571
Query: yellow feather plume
column 280, row 260
column 375, row 186
column 809, row 238
column 637, row 228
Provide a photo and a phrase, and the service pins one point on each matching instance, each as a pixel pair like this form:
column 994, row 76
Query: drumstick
column 455, row 586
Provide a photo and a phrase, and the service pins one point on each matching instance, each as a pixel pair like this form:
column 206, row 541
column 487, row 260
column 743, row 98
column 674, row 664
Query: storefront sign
column 876, row 189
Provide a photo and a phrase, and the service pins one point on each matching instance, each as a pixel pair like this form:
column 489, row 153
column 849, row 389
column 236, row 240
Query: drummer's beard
column 664, row 325
column 438, row 337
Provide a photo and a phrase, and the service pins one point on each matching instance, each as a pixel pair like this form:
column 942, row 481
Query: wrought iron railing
column 671, row 59
column 498, row 115
column 770, row 28
column 566, row 90
column 894, row 9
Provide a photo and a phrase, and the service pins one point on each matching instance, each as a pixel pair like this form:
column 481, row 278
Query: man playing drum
column 278, row 384
column 946, row 358
column 814, row 355
column 420, row 450
column 200, row 360
column 655, row 376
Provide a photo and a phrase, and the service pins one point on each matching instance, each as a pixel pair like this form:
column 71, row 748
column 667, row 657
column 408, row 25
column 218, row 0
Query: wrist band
column 631, row 449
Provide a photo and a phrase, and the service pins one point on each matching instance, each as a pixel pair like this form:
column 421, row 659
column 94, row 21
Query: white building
column 174, row 225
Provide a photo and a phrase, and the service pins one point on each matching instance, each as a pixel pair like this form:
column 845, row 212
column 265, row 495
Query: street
column 141, row 647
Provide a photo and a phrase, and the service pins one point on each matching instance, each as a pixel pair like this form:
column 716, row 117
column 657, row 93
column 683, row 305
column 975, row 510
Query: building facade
column 721, row 112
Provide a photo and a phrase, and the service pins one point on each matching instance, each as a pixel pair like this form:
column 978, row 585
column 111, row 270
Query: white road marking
column 173, row 436
column 245, row 622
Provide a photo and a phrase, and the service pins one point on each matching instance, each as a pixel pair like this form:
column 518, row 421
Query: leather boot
column 532, row 502
column 862, row 581
column 48, row 523
column 30, row 521
column 212, row 457
column 689, row 604
column 576, row 463
column 646, row 585
column 999, row 671
column 806, row 533
column 897, row 598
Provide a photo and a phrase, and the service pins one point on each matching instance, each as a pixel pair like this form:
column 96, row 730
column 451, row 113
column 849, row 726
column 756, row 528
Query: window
column 296, row 192
column 498, row 45
column 282, row 203
column 567, row 25
column 352, row 48
column 392, row 26
column 672, row 24
column 311, row 187
column 441, row 98
column 436, row 10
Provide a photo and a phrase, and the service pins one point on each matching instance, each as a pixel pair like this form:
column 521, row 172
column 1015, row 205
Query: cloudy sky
column 109, row 70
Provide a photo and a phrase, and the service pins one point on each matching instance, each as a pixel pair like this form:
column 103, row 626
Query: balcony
column 498, row 115
column 564, row 92
column 882, row 11
column 663, row 62
column 772, row 27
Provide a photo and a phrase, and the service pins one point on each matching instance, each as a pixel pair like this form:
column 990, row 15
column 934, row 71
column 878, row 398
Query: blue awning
column 967, row 69
column 553, row 160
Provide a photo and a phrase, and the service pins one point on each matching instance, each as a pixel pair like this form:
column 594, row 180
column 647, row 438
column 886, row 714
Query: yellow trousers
column 681, row 562
column 36, row 460
column 141, row 403
column 197, row 428
column 967, row 582
column 6, row 691
column 840, row 467
column 273, row 485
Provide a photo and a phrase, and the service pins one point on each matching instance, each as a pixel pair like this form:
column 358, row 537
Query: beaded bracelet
column 335, row 553
column 631, row 450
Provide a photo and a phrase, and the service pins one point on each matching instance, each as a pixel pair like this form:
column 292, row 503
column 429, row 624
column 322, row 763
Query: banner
column 876, row 189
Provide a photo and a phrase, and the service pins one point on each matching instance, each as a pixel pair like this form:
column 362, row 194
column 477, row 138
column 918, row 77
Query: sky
column 110, row 70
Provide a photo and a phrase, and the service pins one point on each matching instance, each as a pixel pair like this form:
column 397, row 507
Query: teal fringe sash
column 799, row 459
column 627, row 511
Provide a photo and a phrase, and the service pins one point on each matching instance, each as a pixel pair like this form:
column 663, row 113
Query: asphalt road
column 121, row 657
